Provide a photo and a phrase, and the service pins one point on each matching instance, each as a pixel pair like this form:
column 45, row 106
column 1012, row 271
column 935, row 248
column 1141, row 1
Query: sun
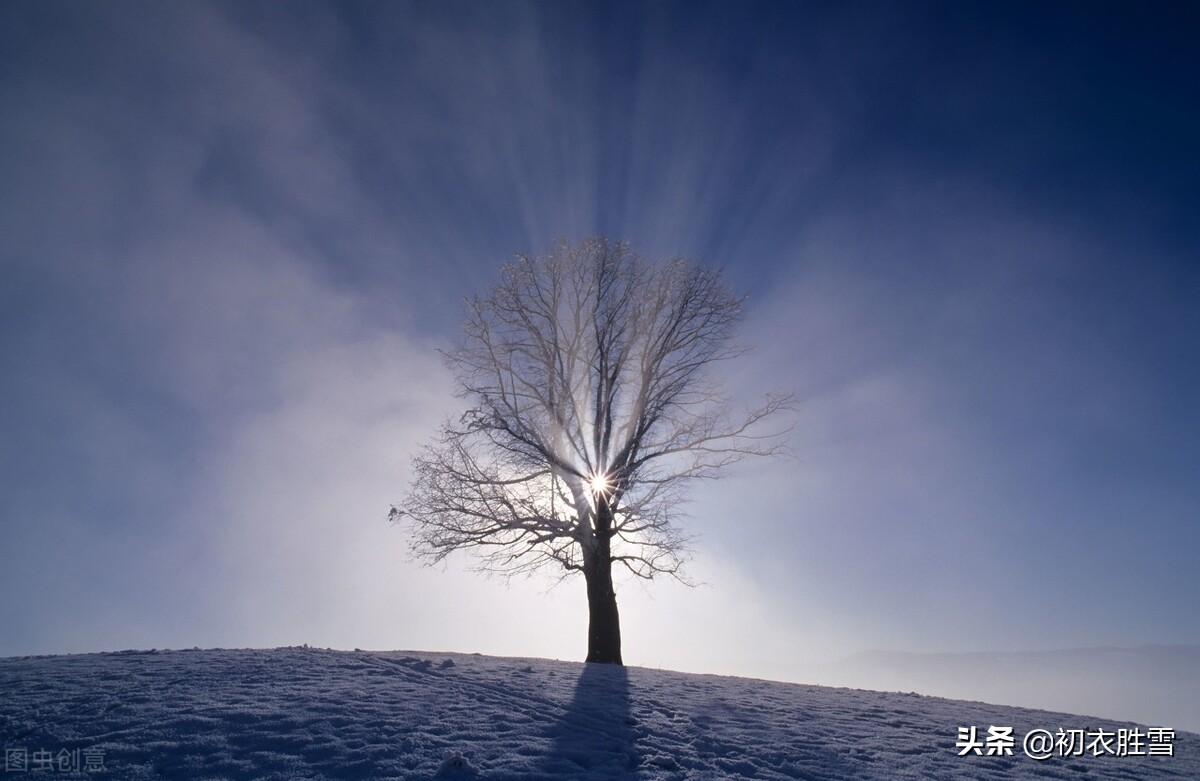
column 600, row 484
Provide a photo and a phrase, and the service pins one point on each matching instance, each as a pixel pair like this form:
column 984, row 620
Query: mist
column 236, row 236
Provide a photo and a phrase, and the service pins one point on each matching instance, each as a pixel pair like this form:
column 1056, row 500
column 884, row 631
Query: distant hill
column 301, row 713
column 1151, row 684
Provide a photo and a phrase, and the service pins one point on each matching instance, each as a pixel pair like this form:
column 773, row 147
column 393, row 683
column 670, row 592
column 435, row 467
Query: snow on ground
column 300, row 713
column 1152, row 684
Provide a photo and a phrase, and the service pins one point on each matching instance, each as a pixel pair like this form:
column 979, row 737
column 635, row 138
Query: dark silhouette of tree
column 591, row 411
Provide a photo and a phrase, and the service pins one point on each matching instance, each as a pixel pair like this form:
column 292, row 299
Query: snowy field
column 299, row 713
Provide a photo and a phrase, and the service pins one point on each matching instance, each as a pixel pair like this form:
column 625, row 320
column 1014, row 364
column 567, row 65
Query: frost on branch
column 591, row 409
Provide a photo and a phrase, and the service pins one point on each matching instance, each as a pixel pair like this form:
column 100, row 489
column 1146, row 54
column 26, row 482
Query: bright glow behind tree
column 591, row 410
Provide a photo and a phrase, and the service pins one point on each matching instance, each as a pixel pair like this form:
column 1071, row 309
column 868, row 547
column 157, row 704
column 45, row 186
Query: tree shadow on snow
column 595, row 737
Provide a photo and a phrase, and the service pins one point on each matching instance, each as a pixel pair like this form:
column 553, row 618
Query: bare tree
column 591, row 412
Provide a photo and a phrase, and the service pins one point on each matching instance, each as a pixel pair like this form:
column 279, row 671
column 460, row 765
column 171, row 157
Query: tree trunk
column 604, row 623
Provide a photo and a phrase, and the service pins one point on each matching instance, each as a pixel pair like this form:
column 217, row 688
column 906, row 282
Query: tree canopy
column 590, row 410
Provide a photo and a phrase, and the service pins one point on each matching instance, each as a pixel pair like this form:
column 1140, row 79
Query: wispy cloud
column 234, row 236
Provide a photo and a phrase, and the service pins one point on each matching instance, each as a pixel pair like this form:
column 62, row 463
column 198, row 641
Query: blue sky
column 234, row 236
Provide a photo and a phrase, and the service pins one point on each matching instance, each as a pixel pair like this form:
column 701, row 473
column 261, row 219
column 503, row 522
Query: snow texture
column 306, row 713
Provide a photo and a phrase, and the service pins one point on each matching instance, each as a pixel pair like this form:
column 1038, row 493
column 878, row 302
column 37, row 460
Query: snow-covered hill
column 300, row 713
column 1149, row 684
